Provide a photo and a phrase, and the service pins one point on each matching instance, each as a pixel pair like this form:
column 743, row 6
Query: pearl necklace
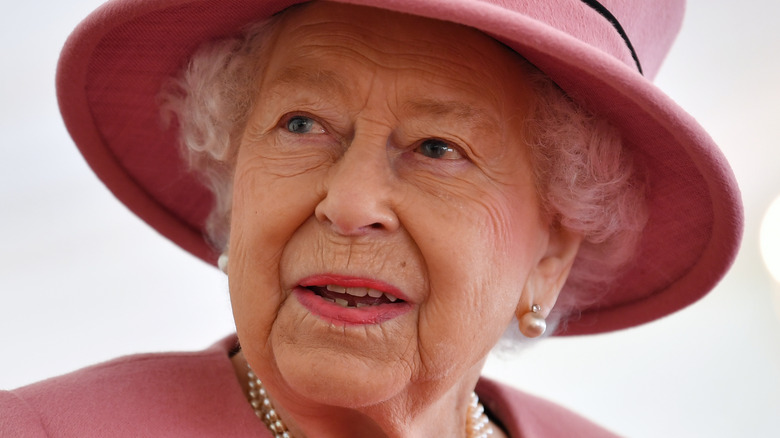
column 477, row 423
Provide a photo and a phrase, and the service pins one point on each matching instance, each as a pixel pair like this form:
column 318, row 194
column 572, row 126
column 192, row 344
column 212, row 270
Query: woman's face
column 385, row 221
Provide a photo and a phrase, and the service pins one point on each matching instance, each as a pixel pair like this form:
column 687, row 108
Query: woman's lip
column 338, row 315
column 349, row 281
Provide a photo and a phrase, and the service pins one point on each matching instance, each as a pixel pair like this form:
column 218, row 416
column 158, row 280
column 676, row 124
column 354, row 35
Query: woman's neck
column 416, row 413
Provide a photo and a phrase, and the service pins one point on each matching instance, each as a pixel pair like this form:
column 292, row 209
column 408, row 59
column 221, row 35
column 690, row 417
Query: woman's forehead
column 373, row 24
column 334, row 47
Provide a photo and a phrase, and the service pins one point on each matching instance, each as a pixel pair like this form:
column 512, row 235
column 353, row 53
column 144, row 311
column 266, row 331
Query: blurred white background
column 82, row 280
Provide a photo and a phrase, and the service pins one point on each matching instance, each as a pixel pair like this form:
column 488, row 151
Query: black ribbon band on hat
column 598, row 7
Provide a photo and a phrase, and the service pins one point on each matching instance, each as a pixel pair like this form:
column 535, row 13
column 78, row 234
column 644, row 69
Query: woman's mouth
column 351, row 301
column 357, row 297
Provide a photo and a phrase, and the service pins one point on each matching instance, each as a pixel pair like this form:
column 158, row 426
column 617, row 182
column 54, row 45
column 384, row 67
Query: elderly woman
column 389, row 186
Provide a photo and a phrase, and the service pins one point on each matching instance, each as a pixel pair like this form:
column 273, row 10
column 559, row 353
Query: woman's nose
column 358, row 194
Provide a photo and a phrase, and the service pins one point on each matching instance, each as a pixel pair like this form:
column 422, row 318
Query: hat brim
column 115, row 63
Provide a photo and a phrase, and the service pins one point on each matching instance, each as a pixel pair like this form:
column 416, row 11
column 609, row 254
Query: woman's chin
column 338, row 365
column 338, row 379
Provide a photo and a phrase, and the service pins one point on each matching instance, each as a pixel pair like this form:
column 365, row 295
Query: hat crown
column 649, row 26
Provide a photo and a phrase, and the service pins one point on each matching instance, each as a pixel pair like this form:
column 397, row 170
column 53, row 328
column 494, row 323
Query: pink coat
column 197, row 395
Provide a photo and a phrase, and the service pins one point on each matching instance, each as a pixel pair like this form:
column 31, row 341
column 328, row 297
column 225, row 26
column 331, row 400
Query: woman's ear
column 546, row 279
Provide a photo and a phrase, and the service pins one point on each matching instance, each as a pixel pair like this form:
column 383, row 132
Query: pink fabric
column 197, row 395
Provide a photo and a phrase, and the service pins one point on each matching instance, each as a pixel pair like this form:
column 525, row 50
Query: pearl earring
column 532, row 324
column 222, row 262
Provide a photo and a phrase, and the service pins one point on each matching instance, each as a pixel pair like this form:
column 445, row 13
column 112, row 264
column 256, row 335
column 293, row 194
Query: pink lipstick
column 347, row 300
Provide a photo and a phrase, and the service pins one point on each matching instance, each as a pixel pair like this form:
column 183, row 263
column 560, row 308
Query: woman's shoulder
column 526, row 415
column 159, row 394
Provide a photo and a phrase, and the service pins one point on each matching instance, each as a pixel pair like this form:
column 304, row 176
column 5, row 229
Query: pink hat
column 603, row 55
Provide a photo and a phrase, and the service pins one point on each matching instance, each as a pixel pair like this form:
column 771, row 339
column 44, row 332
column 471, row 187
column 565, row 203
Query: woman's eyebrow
column 329, row 82
column 461, row 112
column 294, row 76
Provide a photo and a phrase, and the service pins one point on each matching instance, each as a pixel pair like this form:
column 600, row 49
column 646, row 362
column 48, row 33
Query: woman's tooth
column 357, row 291
column 335, row 288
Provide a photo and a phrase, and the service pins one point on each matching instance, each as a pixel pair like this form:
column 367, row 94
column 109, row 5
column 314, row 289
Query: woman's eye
column 438, row 149
column 304, row 125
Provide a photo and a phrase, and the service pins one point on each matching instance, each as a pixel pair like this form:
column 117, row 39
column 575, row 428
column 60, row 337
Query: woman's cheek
column 284, row 155
column 274, row 196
